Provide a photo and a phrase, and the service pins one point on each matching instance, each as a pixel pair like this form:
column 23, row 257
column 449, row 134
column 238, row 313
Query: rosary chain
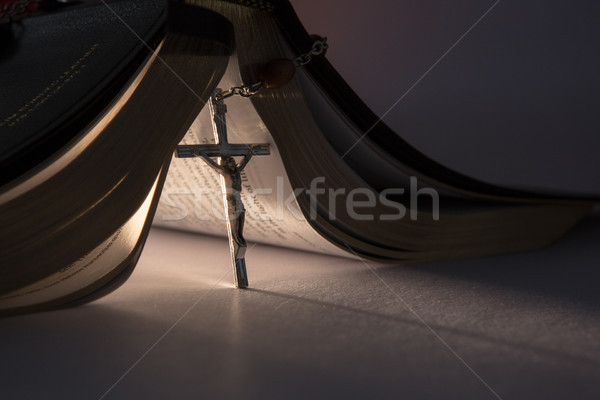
column 244, row 91
column 319, row 47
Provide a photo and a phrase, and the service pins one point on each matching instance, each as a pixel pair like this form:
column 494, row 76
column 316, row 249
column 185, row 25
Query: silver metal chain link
column 244, row 91
column 318, row 47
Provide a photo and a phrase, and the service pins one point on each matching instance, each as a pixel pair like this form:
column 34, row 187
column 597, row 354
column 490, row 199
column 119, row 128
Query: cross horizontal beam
column 221, row 150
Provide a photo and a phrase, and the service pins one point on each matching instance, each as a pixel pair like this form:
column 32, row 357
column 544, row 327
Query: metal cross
column 231, row 180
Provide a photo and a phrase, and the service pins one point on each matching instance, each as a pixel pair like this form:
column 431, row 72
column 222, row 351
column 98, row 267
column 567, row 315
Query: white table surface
column 312, row 326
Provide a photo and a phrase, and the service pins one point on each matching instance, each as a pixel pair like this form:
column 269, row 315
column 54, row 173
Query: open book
column 337, row 180
column 368, row 195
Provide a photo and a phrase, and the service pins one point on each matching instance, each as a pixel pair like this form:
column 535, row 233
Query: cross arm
column 221, row 150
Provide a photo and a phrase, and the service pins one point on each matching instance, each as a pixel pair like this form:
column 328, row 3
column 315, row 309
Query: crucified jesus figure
column 230, row 171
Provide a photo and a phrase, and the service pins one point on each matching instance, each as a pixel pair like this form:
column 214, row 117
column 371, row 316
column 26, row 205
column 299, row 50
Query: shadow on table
column 568, row 269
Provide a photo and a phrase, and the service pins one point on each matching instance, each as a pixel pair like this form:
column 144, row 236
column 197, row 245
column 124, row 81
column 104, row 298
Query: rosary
column 275, row 74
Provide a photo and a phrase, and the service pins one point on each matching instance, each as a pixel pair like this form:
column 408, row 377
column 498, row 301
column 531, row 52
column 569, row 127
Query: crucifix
column 231, row 180
column 275, row 74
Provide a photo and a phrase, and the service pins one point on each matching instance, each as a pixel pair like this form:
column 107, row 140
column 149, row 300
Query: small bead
column 277, row 73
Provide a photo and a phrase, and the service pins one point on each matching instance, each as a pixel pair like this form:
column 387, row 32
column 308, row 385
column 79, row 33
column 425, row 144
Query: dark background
column 515, row 102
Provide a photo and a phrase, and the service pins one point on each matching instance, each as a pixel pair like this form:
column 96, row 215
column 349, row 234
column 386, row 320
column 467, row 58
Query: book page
column 192, row 197
column 89, row 269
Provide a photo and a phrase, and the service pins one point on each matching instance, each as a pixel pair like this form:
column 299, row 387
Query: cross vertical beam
column 231, row 187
